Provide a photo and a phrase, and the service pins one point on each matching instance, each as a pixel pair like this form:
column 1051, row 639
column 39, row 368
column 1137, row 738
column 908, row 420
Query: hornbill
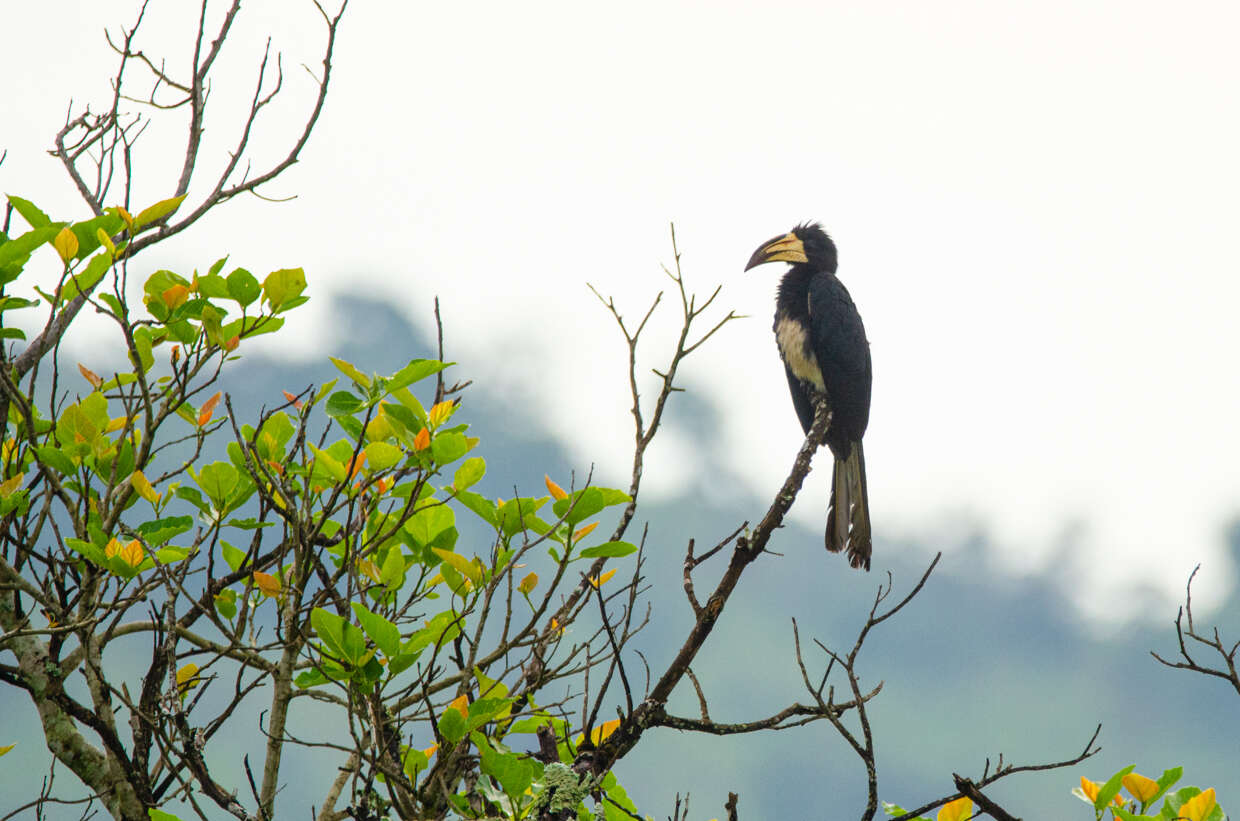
column 823, row 345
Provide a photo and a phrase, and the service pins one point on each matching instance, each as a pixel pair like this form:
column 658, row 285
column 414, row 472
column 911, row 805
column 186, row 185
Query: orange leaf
column 176, row 296
column 176, row 354
column 555, row 490
column 208, row 408
column 268, row 584
column 355, row 465
column 290, row 397
column 461, row 705
column 94, row 380
column 423, row 440
column 431, row 750
column 232, row 343
column 585, row 531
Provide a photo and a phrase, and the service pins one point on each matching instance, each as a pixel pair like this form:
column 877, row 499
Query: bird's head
column 807, row 244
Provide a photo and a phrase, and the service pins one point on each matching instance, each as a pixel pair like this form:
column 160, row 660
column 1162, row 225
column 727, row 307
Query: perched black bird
column 823, row 345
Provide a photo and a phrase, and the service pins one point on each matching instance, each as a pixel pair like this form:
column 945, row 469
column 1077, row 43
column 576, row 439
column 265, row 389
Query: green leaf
column 18, row 249
column 248, row 523
column 12, row 333
column 218, row 480
column 343, row 403
column 283, row 286
column 213, row 286
column 87, row 233
column 382, row 632
column 158, row 531
column 579, row 506
column 330, row 628
column 310, row 678
column 329, row 464
column 429, row 524
column 226, row 602
column 382, row 455
column 234, row 556
column 1109, row 790
column 30, row 212
column 157, row 211
column 481, row 506
column 468, row 474
column 243, row 286
column 448, row 446
column 452, row 725
column 392, row 573
column 55, row 459
column 16, row 303
column 86, row 279
column 349, row 370
column 160, row 815
column 415, row 371
column 613, row 550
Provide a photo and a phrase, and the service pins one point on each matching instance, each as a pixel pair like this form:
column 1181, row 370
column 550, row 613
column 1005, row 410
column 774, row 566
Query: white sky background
column 1035, row 207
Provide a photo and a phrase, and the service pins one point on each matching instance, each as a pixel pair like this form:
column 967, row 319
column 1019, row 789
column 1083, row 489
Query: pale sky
column 1035, row 206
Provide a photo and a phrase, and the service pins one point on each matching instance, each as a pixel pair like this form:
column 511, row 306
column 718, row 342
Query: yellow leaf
column 528, row 583
column 370, row 569
column 440, row 412
column 208, row 408
column 175, row 297
column 461, row 705
column 124, row 215
column 1199, row 807
column 460, row 564
column 957, row 810
column 187, row 678
column 268, row 584
column 132, row 554
column 113, row 547
column 585, row 531
column 600, row 733
column 1141, row 788
column 1090, row 788
column 105, row 240
column 555, row 490
column 4, row 750
column 142, row 487
column 116, row 424
column 598, row 581
column 90, row 376
column 9, row 486
column 66, row 244
column 431, row 750
column 423, row 440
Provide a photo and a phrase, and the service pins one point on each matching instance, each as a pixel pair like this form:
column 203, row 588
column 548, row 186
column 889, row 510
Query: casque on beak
column 784, row 248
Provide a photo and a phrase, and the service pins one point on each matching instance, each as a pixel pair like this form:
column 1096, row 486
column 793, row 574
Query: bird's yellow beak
column 784, row 248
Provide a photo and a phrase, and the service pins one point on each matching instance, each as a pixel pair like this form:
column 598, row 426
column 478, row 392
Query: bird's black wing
column 800, row 400
column 838, row 339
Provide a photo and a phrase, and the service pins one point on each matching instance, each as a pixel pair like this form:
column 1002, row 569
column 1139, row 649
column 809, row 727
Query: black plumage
column 822, row 342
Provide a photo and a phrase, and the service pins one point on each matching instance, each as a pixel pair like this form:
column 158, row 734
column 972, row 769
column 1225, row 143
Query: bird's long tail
column 848, row 516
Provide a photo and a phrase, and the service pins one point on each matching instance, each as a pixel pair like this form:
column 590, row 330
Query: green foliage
column 349, row 538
